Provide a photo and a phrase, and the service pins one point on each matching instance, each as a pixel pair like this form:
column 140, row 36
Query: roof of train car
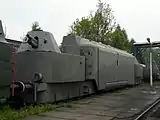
column 13, row 41
column 87, row 42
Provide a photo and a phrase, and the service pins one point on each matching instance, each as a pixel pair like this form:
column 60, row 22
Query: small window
column 45, row 41
column 117, row 63
column 36, row 37
column 89, row 53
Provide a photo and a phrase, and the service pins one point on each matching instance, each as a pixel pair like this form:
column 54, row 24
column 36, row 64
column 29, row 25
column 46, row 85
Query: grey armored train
column 45, row 74
column 41, row 72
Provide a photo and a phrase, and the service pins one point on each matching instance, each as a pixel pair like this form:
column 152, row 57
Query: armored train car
column 46, row 74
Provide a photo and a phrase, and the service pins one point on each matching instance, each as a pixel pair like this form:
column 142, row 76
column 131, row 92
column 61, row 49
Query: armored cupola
column 39, row 40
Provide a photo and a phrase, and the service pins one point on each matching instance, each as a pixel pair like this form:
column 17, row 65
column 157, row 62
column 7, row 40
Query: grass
column 8, row 114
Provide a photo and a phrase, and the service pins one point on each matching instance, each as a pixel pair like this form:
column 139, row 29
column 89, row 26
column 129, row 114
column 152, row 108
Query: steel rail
column 147, row 110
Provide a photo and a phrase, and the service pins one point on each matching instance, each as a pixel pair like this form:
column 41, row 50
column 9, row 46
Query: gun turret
column 39, row 41
column 33, row 41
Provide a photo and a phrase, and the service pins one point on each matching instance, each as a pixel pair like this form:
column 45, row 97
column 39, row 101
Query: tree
column 96, row 26
column 35, row 26
column 132, row 41
column 155, row 54
column 119, row 39
column 145, row 54
column 101, row 27
column 82, row 28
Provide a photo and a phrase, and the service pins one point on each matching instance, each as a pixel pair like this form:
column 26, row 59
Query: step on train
column 41, row 72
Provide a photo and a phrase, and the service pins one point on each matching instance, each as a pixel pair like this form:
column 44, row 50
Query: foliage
column 132, row 41
column 96, row 26
column 120, row 40
column 35, row 26
column 156, row 55
column 9, row 114
column 101, row 27
column 144, row 55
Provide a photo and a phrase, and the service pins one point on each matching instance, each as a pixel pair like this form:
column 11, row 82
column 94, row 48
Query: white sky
column 141, row 18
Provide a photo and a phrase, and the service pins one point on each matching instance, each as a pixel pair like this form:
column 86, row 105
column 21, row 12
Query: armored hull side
column 5, row 65
column 5, row 69
column 109, row 67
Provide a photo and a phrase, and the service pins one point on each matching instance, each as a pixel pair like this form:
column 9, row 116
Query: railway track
column 147, row 114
